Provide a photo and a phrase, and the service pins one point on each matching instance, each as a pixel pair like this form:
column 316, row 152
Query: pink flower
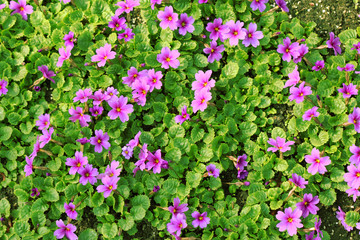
column 201, row 99
column 178, row 208
column 341, row 217
column 353, row 192
column 133, row 75
column 140, row 90
column 76, row 163
column 88, row 174
column 126, row 7
column 109, row 185
column 334, row 43
column 100, row 140
column 21, row 8
column 46, row 73
column 65, row 1
column 203, row 81
column 103, row 54
column 308, row 205
column 154, row 79
column 302, row 50
column 29, row 166
column 134, row 142
column 155, row 162
column 201, row 219
column 203, row 1
column 36, row 147
column 168, row 58
column 120, row 108
column 258, row 4
column 288, row 49
column 111, row 92
column 214, row 51
column 3, row 85
column 111, row 170
column 69, row 40
column 43, row 122
column 217, row 30
column 317, row 163
column 298, row 94
column 70, row 210
column 127, row 152
column 294, row 78
column 348, row 90
column 252, row 36
column 98, row 97
column 318, row 65
column 177, row 223
column 46, row 137
column 96, row 111
column 78, row 115
column 153, row 2
column 64, row 55
column 185, row 24
column 310, row 114
column 279, row 144
column 213, row 171
column 298, row 181
column 352, row 177
column 354, row 118
column 82, row 95
column 290, row 220
column 355, row 158
column 127, row 35
column 117, row 23
column 65, row 230
column 236, row 32
column 168, row 18
column 183, row 116
column 143, row 155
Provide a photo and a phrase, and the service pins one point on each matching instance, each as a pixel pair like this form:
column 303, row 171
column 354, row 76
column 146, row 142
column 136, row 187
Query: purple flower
column 353, row 176
column 201, row 219
column 36, row 88
column 36, row 147
column 29, row 165
column 168, row 18
column 334, row 43
column 82, row 95
column 127, row 35
column 201, row 99
column 252, row 36
column 356, row 47
column 120, row 108
column 2, row 6
column 69, row 40
column 183, row 116
column 241, row 162
column 112, row 170
column 141, row 88
column 154, row 79
column 76, row 163
column 341, row 217
column 65, row 230
column 242, row 174
column 156, row 188
column 21, row 8
column 290, row 220
column 354, row 118
column 65, row 1
column 78, row 115
column 317, row 163
column 111, row 92
column 203, row 1
column 317, row 227
column 178, row 208
column 103, row 54
column 99, row 96
column 46, row 73
column 96, row 111
column 217, row 30
column 127, row 152
column 235, row 33
column 83, row 141
column 310, row 114
column 143, row 155
column 117, row 23
column 43, row 122
column 308, row 205
column 177, row 223
column 185, row 24
column 294, row 78
column 168, row 58
column 302, row 50
column 348, row 90
column 46, row 137
column 298, row 94
column 154, row 162
column 279, row 144
column 3, row 89
column 282, row 5
column 70, row 210
column 203, row 81
column 133, row 75
column 109, row 185
column 153, row 2
column 318, row 65
column 134, row 142
column 213, row 171
column 100, row 140
column 355, row 158
column 35, row 192
column 288, row 49
column 258, row 4
column 311, row 236
column 64, row 55
column 353, row 192
column 215, row 52
column 88, row 174
column 348, row 68
column 127, row 6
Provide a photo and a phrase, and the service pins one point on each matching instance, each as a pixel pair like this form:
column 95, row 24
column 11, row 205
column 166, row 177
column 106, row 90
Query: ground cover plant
column 175, row 119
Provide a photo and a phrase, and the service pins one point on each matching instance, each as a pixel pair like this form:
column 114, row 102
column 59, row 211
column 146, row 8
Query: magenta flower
column 133, row 75
column 111, row 92
column 109, row 185
column 126, row 7
column 83, row 141
column 355, row 158
column 65, row 230
column 279, row 144
column 120, row 108
column 3, row 89
column 203, row 81
column 82, row 95
column 318, row 65
column 317, row 228
column 88, row 174
column 21, row 8
column 155, row 162
column 310, row 114
column 317, row 163
column 100, row 140
column 134, row 142
column 215, row 52
column 298, row 94
column 168, row 58
column 36, row 147
column 185, row 24
column 176, row 223
column 241, row 162
column 201, row 219
column 46, row 137
column 46, row 73
column 235, row 33
column 348, row 90
column 43, row 122
column 96, row 111
column 252, row 36
column 201, row 99
column 168, row 18
column 258, row 4
column 143, row 157
column 76, row 163
column 127, row 152
column 353, row 176
column 308, row 205
column 103, row 54
column 70, row 210
column 217, row 30
column 334, row 43
column 203, row 1
column 302, row 50
column 117, row 23
column 154, row 79
column 212, row 171
column 178, row 208
column 65, row 1
column 153, row 2
column 35, row 192
column 112, row 170
column 294, row 78
column 183, row 116
column 282, row 5
column 78, row 115
column 298, row 181
column 29, row 166
column 64, row 55
column 356, row 47
column 98, row 97
column 290, row 220
column 127, row 35
column 354, row 118
column 69, row 40
column 348, row 68
column 141, row 88
column 341, row 217
column 353, row 192
column 288, row 49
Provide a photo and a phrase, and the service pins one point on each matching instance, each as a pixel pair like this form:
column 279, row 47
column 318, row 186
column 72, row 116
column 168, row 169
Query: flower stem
column 40, row 168
column 47, row 152
column 290, row 193
column 57, row 142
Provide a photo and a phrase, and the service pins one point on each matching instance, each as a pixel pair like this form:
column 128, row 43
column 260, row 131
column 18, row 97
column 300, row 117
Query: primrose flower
column 65, row 230
column 288, row 49
column 69, row 40
column 96, row 111
column 201, row 219
column 21, row 8
column 29, row 166
column 201, row 99
column 241, row 162
column 83, row 141
column 88, row 174
column 334, row 43
column 82, row 95
column 168, row 18
column 35, row 192
column 168, row 58
column 120, row 108
column 65, row 1
column 298, row 94
column 302, row 50
column 353, row 192
column 282, row 5
column 348, row 90
column 294, row 78
column 133, row 75
column 109, row 185
column 341, row 217
column 153, row 2
column 134, row 142
column 46, row 137
column 311, row 236
column 318, row 65
column 290, row 220
column 183, row 116
column 317, row 227
column 355, row 158
column 143, row 155
column 258, row 4
column 127, row 35
column 178, row 208
column 46, row 73
column 252, row 36
column 76, row 163
column 70, row 210
column 203, row 1
column 78, row 115
column 117, row 23
column 111, row 92
column 111, row 170
column 215, row 52
column 354, row 118
column 126, row 6
column 98, row 97
column 103, row 54
column 127, row 152
column 235, row 33
column 353, row 176
column 308, row 205
column 177, row 223
column 203, row 81
column 64, row 55
column 155, row 162
column 154, row 79
column 3, row 89
column 43, row 122
column 310, row 114
column 141, row 88
column 100, row 140
column 217, row 30
column 348, row 68
column 356, row 47
column 279, row 144
column 317, row 163
column 213, row 171
column 185, row 24
column 36, row 147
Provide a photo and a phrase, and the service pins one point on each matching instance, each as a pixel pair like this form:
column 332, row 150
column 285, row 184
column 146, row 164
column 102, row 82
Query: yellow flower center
column 174, row 210
column 21, row 9
column 71, row 40
column 111, row 174
column 67, row 229
column 301, row 94
column 280, row 148
column 183, row 24
column 126, row 36
column 111, row 94
column 216, row 29
column 180, row 225
column 117, row 25
column 306, row 203
column 78, row 165
column 201, row 218
column 118, row 110
column 143, row 92
column 46, row 123
column 287, row 50
column 205, row 83
column 169, row 18
column 105, row 57
column 354, row 121
column 311, row 115
column 154, row 80
column 235, row 33
column 290, row 220
column 126, row 152
column 203, row 100
column 212, row 50
column 0, row 87
column 96, row 112
column 249, row 35
column 135, row 75
column 317, row 160
column 358, row 174
column 168, row 59
column 87, row 174
column 99, row 141
column 156, row 161
column 81, row 114
column 184, row 116
column 110, row 187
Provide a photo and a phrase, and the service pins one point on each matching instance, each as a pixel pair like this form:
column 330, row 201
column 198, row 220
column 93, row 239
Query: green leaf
column 138, row 213
column 171, row 185
column 5, row 133
column 298, row 31
column 193, row 179
column 351, row 218
column 85, row 41
column 174, row 154
column 230, row 70
column 176, row 131
column 200, row 60
column 248, row 129
column 278, row 132
column 38, row 217
column 197, row 134
column 327, row 197
column 97, row 199
column 21, row 228
column 51, row 195
column 22, row 195
column 205, row 154
column 37, row 18
column 320, row 140
column 109, row 230
column 101, row 210
column 141, row 200
column 347, row 35
column 88, row 234
column 4, row 207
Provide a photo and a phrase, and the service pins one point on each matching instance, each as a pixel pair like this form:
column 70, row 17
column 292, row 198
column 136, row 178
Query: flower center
column 180, row 225
column 290, row 220
column 67, row 229
column 306, row 203
column 111, row 94
column 110, row 187
column 184, row 116
column 111, row 174
column 96, row 112
column 73, row 209
column 354, row 121
column 174, row 210
column 154, row 80
column 301, row 94
column 203, row 100
column 249, row 35
column 212, row 50
column 78, row 165
column 280, row 148
column 126, row 152
column 183, row 24
column 216, row 29
column 21, row 8
column 311, row 115
column 157, row 161
column 358, row 174
column 46, row 123
column 81, row 114
column 0, row 87
column 87, row 174
column 144, row 92
column 287, row 50
column 118, row 110
column 71, row 39
column 126, row 36
column 135, row 75
column 117, row 25
column 168, row 59
column 205, row 83
column 201, row 218
column 347, row 93
column 170, row 18
column 105, row 57
column 99, row 141
column 317, row 160
column 235, row 33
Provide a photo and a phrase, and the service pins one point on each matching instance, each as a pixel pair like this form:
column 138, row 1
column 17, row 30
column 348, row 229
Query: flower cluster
column 202, row 87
